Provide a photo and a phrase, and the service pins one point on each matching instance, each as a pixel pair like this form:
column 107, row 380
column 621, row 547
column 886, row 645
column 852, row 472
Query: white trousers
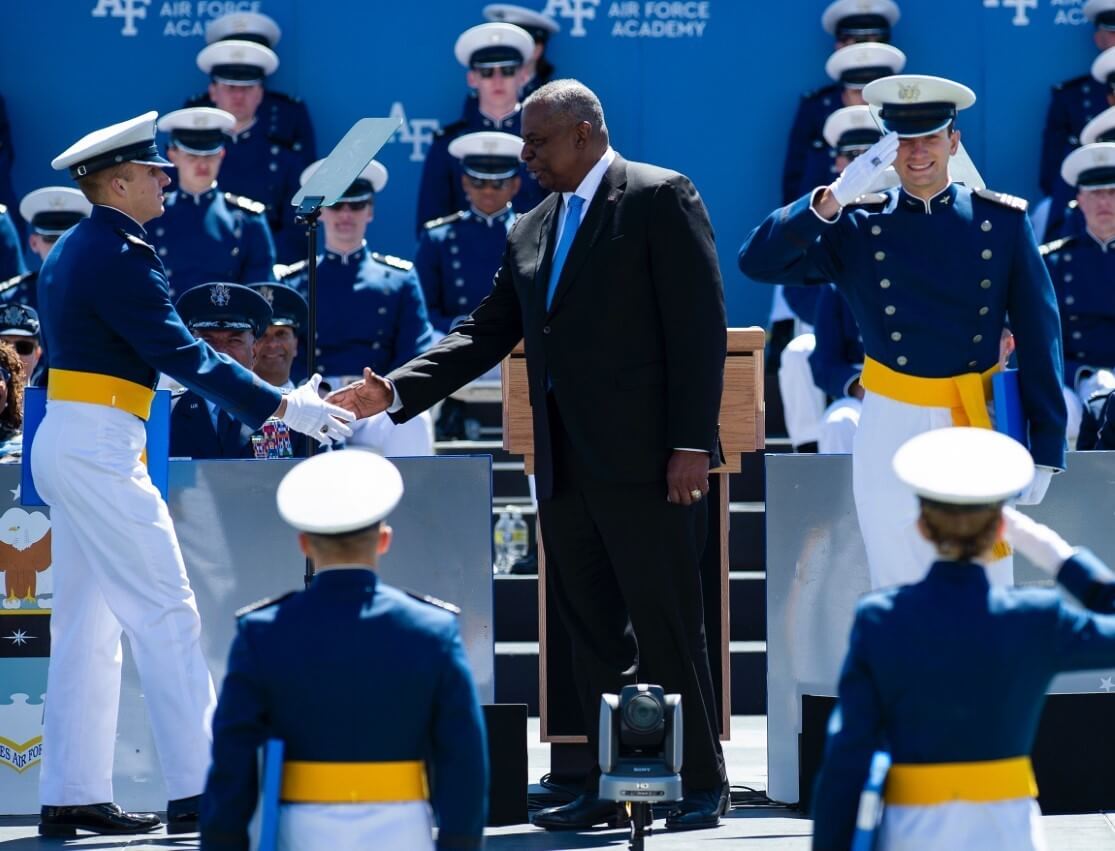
column 383, row 827
column 897, row 554
column 1013, row 825
column 839, row 423
column 117, row 568
column 802, row 401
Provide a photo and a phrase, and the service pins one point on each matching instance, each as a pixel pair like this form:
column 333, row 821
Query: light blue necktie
column 568, row 232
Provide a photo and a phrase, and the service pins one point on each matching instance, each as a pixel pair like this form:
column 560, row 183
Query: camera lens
column 643, row 714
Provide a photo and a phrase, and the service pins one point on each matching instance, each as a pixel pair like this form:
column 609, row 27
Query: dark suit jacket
column 633, row 344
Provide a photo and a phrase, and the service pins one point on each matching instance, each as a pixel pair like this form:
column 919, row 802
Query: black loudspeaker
column 507, row 762
column 1072, row 757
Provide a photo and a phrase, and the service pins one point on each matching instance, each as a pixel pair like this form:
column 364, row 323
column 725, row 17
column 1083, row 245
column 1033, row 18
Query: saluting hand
column 365, row 398
column 686, row 477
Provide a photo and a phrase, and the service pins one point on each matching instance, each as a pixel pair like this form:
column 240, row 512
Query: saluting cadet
column 958, row 714
column 49, row 213
column 848, row 22
column 931, row 269
column 405, row 734
column 837, row 362
column 458, row 255
column 110, row 329
column 287, row 118
column 370, row 307
column 258, row 164
column 231, row 318
column 537, row 70
column 1082, row 266
column 1075, row 102
column 277, row 349
column 20, row 329
column 494, row 55
column 206, row 234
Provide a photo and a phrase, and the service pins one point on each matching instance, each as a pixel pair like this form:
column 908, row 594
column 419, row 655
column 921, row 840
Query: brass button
column 1070, row 300
column 889, row 310
column 1076, row 335
column 901, row 360
column 983, row 311
column 885, row 283
column 972, row 364
column 1067, row 258
column 986, row 254
column 876, row 230
column 546, row 329
column 880, row 255
column 1068, row 277
column 986, row 226
column 896, row 335
column 978, row 338
column 1073, row 318
column 985, row 283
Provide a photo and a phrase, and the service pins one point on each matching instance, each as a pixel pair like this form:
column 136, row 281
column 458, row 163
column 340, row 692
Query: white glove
column 1035, row 493
column 1040, row 544
column 865, row 171
column 308, row 413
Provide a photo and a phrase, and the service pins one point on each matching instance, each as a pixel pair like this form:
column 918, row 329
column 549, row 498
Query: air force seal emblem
column 220, row 295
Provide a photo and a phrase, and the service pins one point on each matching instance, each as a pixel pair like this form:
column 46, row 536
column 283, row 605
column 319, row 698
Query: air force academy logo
column 129, row 10
column 578, row 11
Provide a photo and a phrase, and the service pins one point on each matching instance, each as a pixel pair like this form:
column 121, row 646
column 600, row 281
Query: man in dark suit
column 613, row 282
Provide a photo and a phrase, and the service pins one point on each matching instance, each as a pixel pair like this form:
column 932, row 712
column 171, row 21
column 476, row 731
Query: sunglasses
column 486, row 182
column 352, row 206
column 504, row 71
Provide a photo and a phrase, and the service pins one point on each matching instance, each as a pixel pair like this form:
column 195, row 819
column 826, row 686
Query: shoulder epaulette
column 1075, row 81
column 1012, row 201
column 263, row 604
column 870, row 198
column 393, row 261
column 813, row 93
column 198, row 100
column 245, row 203
column 135, row 240
column 433, row 601
column 452, row 129
column 284, row 96
column 1056, row 245
column 11, row 283
column 283, row 272
column 1102, row 393
column 444, row 220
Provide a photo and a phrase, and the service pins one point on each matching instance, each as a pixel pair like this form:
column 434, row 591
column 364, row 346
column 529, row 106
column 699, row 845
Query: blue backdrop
column 708, row 87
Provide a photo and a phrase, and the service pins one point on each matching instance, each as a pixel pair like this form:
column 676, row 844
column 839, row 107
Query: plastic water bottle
column 502, row 538
column 520, row 536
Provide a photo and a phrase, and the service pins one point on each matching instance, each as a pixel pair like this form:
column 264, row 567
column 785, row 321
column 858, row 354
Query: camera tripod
column 642, row 817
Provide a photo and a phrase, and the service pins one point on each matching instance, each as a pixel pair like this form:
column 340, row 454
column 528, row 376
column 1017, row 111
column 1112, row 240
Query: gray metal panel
column 238, row 550
column 817, row 569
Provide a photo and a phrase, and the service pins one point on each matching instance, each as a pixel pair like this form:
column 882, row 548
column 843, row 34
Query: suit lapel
column 596, row 220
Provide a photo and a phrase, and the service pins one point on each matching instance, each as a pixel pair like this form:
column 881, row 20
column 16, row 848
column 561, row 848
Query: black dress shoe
column 586, row 812
column 700, row 808
column 95, row 818
column 182, row 814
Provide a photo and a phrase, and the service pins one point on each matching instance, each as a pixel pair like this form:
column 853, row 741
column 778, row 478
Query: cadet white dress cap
column 339, row 492
column 131, row 141
column 964, row 466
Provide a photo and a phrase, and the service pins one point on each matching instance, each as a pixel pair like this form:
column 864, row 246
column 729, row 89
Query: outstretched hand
column 365, row 398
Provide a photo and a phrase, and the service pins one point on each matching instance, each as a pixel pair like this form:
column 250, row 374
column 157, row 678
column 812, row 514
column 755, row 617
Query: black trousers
column 622, row 565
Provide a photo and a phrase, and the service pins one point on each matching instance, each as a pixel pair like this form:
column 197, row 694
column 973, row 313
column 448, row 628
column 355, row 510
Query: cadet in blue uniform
column 494, row 55
column 404, row 734
column 258, row 164
column 537, row 70
column 370, row 306
column 111, row 328
column 931, row 269
column 276, row 352
column 1082, row 266
column 848, row 22
column 287, row 117
column 20, row 329
column 231, row 318
column 1059, row 216
column 49, row 213
column 206, row 234
column 837, row 362
column 1074, row 103
column 458, row 255
column 958, row 714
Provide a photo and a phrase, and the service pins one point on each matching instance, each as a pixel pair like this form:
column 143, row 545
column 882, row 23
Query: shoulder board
column 393, row 261
column 135, row 240
column 284, row 96
column 1102, row 393
column 283, row 272
column 444, row 220
column 1056, row 245
column 869, row 199
column 1012, row 201
column 200, row 99
column 1075, row 81
column 245, row 203
column 11, row 283
column 452, row 129
column 816, row 93
column 433, row 601
column 263, row 604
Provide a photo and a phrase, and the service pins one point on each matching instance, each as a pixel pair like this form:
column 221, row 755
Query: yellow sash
column 974, row 782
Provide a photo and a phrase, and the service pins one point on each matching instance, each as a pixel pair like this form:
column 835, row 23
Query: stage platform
column 769, row 828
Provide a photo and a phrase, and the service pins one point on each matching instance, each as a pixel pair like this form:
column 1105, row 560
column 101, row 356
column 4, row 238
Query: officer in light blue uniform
column 370, row 307
column 958, row 714
column 458, row 255
column 403, row 733
column 206, row 234
column 848, row 22
column 931, row 269
column 286, row 117
column 258, row 164
column 1082, row 266
column 494, row 54
column 49, row 212
column 230, row 318
column 837, row 362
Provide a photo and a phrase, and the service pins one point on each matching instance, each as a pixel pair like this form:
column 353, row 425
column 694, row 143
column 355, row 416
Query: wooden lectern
column 742, row 429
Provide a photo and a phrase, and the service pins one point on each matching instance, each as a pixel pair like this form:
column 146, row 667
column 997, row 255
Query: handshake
column 326, row 420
